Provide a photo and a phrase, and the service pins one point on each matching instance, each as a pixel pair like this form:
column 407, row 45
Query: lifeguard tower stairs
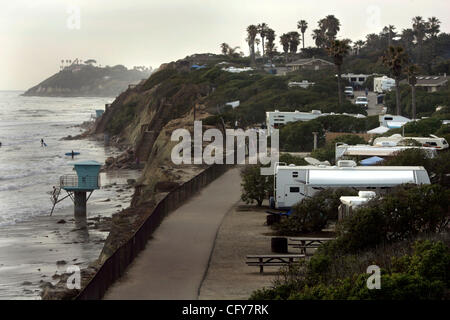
column 86, row 180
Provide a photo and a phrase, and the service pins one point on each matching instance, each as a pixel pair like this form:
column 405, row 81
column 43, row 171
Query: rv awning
column 371, row 161
column 356, row 178
column 378, row 130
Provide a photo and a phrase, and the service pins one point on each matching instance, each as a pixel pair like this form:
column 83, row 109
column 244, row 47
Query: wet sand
column 30, row 250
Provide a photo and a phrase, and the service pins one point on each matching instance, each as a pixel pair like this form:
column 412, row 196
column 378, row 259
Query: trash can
column 272, row 218
column 380, row 98
column 279, row 245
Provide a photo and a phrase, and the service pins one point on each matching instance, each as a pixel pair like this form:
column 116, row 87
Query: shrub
column 255, row 187
column 313, row 214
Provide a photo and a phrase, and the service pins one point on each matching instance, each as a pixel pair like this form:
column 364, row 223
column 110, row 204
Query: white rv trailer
column 392, row 121
column 343, row 149
column 277, row 118
column 396, row 140
column 294, row 183
column 382, row 84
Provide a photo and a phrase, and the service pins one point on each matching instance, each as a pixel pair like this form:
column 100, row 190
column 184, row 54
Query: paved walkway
column 175, row 260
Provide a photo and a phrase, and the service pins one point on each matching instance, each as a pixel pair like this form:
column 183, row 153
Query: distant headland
column 89, row 79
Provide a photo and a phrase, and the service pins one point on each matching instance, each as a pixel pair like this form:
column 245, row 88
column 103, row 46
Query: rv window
column 294, row 189
column 352, row 79
column 361, row 79
column 294, row 174
column 388, row 118
column 434, row 144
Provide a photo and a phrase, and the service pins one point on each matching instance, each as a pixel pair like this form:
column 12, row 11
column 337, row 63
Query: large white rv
column 276, row 118
column 397, row 140
column 382, row 84
column 294, row 183
column 343, row 149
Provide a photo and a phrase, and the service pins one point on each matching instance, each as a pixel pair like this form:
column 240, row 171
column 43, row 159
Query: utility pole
column 315, row 140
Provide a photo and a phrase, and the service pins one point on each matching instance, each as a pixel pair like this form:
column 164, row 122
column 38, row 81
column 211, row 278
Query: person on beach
column 73, row 154
column 42, row 142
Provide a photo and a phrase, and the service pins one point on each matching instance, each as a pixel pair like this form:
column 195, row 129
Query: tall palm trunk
column 339, row 84
column 413, row 102
column 397, row 96
column 303, row 39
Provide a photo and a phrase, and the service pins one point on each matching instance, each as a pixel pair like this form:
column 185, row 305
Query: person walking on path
column 367, row 92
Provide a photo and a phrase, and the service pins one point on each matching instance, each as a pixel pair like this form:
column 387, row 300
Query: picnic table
column 273, row 260
column 304, row 243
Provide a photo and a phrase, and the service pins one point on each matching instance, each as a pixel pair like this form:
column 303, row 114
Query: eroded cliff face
column 142, row 119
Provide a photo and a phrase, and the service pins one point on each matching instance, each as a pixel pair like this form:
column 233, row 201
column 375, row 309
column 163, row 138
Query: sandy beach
column 33, row 251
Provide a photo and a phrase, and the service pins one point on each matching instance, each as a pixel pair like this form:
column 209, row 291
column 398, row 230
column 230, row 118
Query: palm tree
column 252, row 31
column 339, row 49
column 262, row 30
column 412, row 72
column 224, row 47
column 395, row 58
column 302, row 25
column 270, row 45
column 294, row 41
column 434, row 26
column 284, row 40
column 407, row 39
column 358, row 45
column 319, row 38
column 419, row 28
column 330, row 26
column 389, row 31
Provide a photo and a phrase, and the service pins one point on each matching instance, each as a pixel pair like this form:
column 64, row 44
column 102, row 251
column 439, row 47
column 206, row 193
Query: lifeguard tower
column 78, row 185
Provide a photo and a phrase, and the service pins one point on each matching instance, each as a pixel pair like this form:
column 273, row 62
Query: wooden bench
column 273, row 260
column 304, row 243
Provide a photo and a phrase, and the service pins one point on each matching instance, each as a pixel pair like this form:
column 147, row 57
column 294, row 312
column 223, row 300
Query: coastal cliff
column 84, row 80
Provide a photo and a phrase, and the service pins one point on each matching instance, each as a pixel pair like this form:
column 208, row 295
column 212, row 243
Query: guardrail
column 114, row 267
column 72, row 181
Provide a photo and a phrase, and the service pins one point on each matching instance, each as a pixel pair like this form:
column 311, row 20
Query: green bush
column 422, row 274
column 313, row 214
column 402, row 214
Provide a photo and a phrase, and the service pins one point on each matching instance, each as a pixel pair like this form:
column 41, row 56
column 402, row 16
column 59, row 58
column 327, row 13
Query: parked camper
column 383, row 84
column 294, row 183
column 276, row 118
column 387, row 149
column 398, row 140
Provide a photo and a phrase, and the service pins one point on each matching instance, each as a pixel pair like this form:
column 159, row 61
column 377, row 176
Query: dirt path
column 174, row 262
column 242, row 232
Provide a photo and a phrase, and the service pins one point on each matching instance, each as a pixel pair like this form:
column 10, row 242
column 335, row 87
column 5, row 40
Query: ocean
column 30, row 240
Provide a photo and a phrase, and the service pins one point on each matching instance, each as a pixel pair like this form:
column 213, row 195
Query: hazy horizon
column 37, row 34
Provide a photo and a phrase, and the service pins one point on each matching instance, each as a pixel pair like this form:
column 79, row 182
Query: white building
column 355, row 79
column 293, row 183
column 303, row 84
column 276, row 118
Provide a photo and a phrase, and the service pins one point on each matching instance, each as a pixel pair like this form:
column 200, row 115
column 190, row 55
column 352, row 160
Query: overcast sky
column 36, row 34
